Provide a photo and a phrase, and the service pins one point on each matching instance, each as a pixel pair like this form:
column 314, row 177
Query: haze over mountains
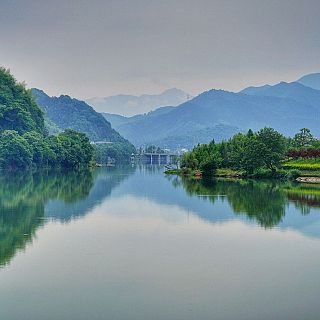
column 129, row 105
column 218, row 114
column 214, row 114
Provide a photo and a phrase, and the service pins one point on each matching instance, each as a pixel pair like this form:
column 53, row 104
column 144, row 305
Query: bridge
column 158, row 158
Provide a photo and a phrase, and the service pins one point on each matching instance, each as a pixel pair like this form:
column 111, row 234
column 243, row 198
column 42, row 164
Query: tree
column 189, row 161
column 75, row 149
column 272, row 147
column 304, row 138
column 265, row 149
column 209, row 166
column 15, row 152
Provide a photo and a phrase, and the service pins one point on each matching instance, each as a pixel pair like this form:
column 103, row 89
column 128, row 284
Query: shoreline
column 238, row 175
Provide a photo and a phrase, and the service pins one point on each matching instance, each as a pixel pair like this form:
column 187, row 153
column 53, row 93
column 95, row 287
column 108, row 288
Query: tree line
column 252, row 152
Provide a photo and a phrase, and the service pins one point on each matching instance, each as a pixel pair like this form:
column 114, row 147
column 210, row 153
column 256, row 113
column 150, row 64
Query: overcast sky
column 99, row 48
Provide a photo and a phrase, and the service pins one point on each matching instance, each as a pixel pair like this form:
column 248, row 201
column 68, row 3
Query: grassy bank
column 281, row 174
column 306, row 167
column 310, row 165
column 290, row 170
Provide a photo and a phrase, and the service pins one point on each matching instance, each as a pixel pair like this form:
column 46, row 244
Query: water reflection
column 130, row 243
column 265, row 202
column 28, row 199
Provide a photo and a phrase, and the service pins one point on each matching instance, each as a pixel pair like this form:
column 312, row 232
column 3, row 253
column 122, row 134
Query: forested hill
column 24, row 142
column 66, row 112
column 18, row 110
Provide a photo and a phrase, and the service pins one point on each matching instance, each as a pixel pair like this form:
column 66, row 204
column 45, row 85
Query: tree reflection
column 24, row 197
column 262, row 201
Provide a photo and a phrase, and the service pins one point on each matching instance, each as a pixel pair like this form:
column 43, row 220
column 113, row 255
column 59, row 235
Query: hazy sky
column 98, row 48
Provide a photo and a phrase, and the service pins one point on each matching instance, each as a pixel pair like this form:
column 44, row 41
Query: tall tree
column 15, row 152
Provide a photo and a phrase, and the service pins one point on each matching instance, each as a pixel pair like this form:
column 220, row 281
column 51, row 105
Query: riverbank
column 282, row 174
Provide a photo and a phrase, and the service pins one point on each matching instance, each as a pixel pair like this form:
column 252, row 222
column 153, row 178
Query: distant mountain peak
column 129, row 105
column 311, row 80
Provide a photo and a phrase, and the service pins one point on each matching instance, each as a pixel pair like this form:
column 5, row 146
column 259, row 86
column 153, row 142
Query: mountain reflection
column 265, row 202
column 27, row 200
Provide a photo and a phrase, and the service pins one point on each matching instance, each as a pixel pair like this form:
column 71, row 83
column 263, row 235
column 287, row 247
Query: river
column 132, row 243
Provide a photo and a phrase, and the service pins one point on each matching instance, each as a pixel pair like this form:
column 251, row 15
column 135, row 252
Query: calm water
column 133, row 244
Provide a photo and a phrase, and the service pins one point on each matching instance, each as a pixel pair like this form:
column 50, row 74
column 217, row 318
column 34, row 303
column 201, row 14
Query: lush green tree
column 209, row 166
column 250, row 152
column 18, row 109
column 271, row 147
column 265, row 149
column 252, row 158
column 75, row 149
column 303, row 139
column 189, row 161
column 42, row 151
column 235, row 149
column 15, row 152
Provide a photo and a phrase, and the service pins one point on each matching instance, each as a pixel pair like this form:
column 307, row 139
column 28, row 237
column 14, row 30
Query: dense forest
column 24, row 140
column 265, row 153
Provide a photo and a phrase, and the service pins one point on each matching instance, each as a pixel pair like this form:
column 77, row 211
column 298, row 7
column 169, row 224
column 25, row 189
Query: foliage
column 68, row 113
column 270, row 148
column 15, row 152
column 303, row 139
column 119, row 151
column 248, row 152
column 23, row 140
column 75, row 149
column 304, row 145
column 18, row 109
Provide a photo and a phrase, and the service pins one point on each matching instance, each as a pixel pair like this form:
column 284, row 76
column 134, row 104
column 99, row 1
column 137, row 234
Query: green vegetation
column 18, row 109
column 262, row 154
column 65, row 112
column 69, row 113
column 303, row 164
column 24, row 142
column 118, row 151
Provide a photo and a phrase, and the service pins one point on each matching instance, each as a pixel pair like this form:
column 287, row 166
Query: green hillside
column 24, row 141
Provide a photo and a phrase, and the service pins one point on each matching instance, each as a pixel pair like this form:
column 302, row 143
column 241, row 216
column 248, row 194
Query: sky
column 101, row 48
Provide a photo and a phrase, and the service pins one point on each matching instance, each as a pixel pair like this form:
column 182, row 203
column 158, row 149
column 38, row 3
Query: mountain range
column 129, row 105
column 65, row 112
column 311, row 80
column 218, row 114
